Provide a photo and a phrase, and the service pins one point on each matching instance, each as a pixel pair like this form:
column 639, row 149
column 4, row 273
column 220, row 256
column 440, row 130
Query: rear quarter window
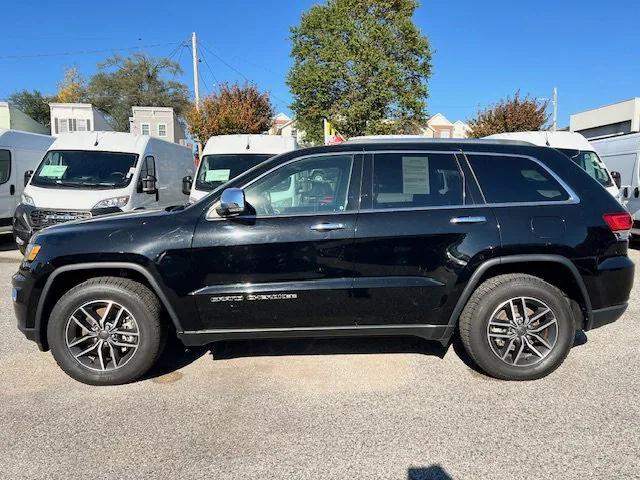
column 509, row 179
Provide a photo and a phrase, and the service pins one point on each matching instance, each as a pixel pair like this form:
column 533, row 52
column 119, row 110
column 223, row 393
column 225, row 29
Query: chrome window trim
column 573, row 197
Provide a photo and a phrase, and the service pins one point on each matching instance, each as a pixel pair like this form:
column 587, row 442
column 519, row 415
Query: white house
column 13, row 119
column 439, row 126
column 286, row 126
column 159, row 122
column 77, row 117
column 609, row 120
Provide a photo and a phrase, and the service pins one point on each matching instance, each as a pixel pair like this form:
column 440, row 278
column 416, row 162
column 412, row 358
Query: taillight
column 618, row 221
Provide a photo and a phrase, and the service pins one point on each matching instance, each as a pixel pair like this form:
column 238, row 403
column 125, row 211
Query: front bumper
column 25, row 298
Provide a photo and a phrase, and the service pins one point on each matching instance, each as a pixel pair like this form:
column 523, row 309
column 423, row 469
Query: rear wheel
column 106, row 331
column 517, row 327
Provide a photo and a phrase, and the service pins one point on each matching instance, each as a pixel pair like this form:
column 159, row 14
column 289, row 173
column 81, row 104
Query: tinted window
column 5, row 165
column 220, row 168
column 313, row 185
column 148, row 168
column 85, row 169
column 506, row 179
column 402, row 180
column 590, row 163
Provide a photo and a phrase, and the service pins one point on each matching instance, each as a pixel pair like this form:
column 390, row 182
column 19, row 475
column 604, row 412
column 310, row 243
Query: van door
column 7, row 187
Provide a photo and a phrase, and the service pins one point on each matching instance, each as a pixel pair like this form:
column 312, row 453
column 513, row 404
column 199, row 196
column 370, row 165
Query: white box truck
column 622, row 154
column 20, row 152
column 226, row 156
column 85, row 174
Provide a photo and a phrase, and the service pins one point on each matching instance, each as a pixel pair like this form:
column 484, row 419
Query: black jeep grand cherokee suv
column 512, row 245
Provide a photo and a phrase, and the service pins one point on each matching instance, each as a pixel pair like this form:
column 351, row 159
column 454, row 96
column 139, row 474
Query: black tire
column 483, row 303
column 137, row 299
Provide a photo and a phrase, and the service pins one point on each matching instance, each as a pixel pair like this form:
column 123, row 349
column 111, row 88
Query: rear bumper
column 604, row 316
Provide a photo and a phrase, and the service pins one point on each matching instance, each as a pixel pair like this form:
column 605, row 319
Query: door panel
column 286, row 264
column 7, row 188
column 415, row 246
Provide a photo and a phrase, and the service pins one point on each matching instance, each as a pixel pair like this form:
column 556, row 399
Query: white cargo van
column 84, row 174
column 226, row 156
column 19, row 152
column 574, row 146
column 622, row 154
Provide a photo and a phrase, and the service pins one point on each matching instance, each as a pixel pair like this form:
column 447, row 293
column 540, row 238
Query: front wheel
column 106, row 331
column 517, row 327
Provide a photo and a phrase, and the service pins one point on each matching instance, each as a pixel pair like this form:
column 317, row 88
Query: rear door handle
column 326, row 227
column 478, row 219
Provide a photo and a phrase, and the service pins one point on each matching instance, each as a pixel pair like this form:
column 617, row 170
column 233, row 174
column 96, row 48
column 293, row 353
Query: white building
column 286, row 126
column 614, row 119
column 439, row 126
column 158, row 122
column 13, row 119
column 77, row 117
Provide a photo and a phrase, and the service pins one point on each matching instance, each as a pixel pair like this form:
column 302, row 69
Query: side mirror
column 187, row 182
column 617, row 178
column 27, row 176
column 231, row 202
column 150, row 184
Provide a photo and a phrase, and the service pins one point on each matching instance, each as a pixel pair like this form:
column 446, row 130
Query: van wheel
column 106, row 331
column 517, row 327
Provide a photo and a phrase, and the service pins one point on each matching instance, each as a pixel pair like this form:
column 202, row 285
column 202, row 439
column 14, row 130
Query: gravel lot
column 365, row 408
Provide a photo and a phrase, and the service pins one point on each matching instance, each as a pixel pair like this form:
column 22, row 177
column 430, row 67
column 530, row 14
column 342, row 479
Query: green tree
column 363, row 65
column 515, row 114
column 233, row 109
column 33, row 104
column 138, row 80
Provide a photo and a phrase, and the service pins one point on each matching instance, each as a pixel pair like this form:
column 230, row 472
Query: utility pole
column 196, row 80
column 555, row 109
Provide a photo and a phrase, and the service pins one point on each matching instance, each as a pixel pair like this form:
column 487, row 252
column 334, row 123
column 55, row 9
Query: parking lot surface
column 396, row 408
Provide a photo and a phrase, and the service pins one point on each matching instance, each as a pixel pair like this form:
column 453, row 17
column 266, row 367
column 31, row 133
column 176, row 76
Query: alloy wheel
column 522, row 331
column 102, row 335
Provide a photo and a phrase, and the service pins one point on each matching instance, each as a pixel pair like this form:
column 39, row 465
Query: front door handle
column 12, row 190
column 478, row 219
column 326, row 227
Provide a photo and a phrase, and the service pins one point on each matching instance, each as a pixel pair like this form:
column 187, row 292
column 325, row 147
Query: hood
column 72, row 198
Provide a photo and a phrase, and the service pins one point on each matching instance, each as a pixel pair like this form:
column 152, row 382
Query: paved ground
column 389, row 409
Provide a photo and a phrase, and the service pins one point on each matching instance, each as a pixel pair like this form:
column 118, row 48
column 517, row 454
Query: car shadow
column 7, row 243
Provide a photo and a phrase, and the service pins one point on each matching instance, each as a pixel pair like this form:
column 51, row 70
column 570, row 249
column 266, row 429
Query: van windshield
column 220, row 168
column 590, row 163
column 85, row 169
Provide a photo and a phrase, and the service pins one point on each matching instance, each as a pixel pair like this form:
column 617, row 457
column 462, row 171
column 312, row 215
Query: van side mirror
column 232, row 202
column 27, row 176
column 150, row 185
column 617, row 178
column 187, row 182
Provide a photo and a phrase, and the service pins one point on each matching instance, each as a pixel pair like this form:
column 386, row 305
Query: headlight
column 31, row 252
column 112, row 202
column 27, row 200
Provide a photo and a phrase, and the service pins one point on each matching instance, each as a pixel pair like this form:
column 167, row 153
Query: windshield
column 590, row 163
column 220, row 168
column 85, row 169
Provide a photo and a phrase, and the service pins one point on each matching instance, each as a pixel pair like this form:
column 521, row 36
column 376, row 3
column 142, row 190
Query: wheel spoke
column 514, row 315
column 124, row 344
column 92, row 319
column 543, row 327
column 500, row 323
column 538, row 315
column 118, row 316
column 501, row 335
column 541, row 340
column 531, row 347
column 106, row 314
column 508, row 349
column 114, row 357
column 100, row 356
column 84, row 352
column 80, row 324
column 515, row 360
column 125, row 332
column 80, row 340
column 525, row 316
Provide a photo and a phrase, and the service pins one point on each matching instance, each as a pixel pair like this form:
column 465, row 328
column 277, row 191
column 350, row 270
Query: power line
column 86, row 52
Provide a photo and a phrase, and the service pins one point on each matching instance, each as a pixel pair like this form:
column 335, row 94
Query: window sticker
column 53, row 171
column 220, row 175
column 415, row 175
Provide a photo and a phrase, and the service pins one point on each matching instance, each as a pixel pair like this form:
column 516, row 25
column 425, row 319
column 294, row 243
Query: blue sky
column 483, row 50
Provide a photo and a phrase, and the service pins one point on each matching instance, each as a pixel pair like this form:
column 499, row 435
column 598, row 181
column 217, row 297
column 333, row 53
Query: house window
column 64, row 125
column 145, row 128
column 445, row 134
column 162, row 129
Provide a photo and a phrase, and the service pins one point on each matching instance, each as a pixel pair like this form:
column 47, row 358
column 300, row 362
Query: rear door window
column 414, row 180
column 512, row 179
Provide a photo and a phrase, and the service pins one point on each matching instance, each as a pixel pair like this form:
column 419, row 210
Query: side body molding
column 106, row 265
column 477, row 275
